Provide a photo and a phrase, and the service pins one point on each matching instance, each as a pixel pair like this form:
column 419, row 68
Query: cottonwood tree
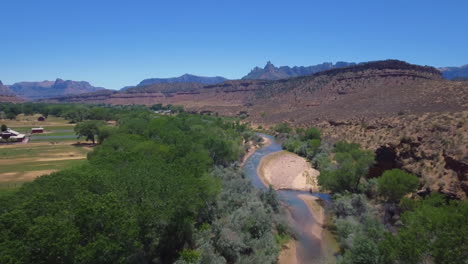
column 394, row 184
column 88, row 129
column 352, row 164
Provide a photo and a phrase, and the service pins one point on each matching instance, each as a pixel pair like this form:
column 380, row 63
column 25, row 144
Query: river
column 310, row 249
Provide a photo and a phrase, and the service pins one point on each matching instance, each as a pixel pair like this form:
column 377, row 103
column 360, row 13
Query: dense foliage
column 73, row 112
column 89, row 129
column 352, row 165
column 434, row 231
column 148, row 194
column 282, row 128
column 394, row 184
column 305, row 143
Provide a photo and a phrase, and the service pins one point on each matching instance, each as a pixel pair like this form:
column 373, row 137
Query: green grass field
column 44, row 154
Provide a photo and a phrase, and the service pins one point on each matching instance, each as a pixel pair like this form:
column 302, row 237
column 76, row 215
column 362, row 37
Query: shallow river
column 310, row 248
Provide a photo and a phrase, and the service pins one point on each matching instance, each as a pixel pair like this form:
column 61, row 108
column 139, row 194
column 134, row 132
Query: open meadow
column 55, row 149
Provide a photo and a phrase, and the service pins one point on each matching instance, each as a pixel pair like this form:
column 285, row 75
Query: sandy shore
column 286, row 170
column 288, row 253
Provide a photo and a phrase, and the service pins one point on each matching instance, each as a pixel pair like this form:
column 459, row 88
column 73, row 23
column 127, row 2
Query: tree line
column 157, row 189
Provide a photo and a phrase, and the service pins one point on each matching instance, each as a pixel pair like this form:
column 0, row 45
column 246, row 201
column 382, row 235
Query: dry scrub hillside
column 433, row 146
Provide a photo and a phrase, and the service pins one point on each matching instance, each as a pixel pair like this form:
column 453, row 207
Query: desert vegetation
column 377, row 218
column 368, row 213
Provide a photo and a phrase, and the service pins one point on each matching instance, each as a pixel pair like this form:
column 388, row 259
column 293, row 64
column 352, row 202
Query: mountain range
column 5, row 90
column 60, row 88
column 271, row 72
column 389, row 85
column 186, row 78
column 452, row 73
column 50, row 89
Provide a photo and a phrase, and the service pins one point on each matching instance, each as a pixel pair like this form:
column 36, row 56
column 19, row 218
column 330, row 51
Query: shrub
column 282, row 128
column 352, row 165
column 394, row 184
column 364, row 251
column 312, row 133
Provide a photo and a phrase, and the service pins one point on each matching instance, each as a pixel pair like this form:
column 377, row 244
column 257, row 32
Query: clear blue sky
column 117, row 43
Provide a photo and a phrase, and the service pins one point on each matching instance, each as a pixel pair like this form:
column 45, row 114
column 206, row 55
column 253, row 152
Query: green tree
column 157, row 107
column 394, row 184
column 435, row 232
column 76, row 114
column 4, row 128
column 352, row 164
column 88, row 129
column 11, row 115
column 364, row 251
column 313, row 147
column 105, row 132
column 312, row 133
column 283, row 128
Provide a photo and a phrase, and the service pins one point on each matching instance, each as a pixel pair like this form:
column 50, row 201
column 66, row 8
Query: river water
column 310, row 248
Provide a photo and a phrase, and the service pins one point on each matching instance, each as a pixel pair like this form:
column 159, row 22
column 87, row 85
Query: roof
column 14, row 134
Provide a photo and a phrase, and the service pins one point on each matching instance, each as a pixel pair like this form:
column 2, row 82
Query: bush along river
column 314, row 244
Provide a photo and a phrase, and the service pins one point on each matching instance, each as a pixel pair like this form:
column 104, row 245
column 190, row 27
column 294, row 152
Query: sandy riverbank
column 288, row 253
column 286, row 170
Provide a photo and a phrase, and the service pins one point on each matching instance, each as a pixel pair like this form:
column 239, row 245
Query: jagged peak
column 269, row 65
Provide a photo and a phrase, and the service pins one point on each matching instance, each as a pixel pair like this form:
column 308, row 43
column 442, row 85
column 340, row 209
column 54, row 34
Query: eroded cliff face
column 432, row 146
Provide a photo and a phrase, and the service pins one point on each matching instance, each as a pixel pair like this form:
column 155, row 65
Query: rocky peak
column 269, row 66
column 271, row 72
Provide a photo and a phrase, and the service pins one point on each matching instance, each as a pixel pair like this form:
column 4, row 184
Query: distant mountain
column 271, row 72
column 49, row 89
column 5, row 90
column 7, row 95
column 127, row 87
column 186, row 78
column 455, row 72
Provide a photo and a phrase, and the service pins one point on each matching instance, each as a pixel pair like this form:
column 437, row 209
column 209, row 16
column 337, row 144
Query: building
column 37, row 130
column 12, row 136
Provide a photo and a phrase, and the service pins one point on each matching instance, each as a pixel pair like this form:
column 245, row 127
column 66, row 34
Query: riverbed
column 313, row 244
